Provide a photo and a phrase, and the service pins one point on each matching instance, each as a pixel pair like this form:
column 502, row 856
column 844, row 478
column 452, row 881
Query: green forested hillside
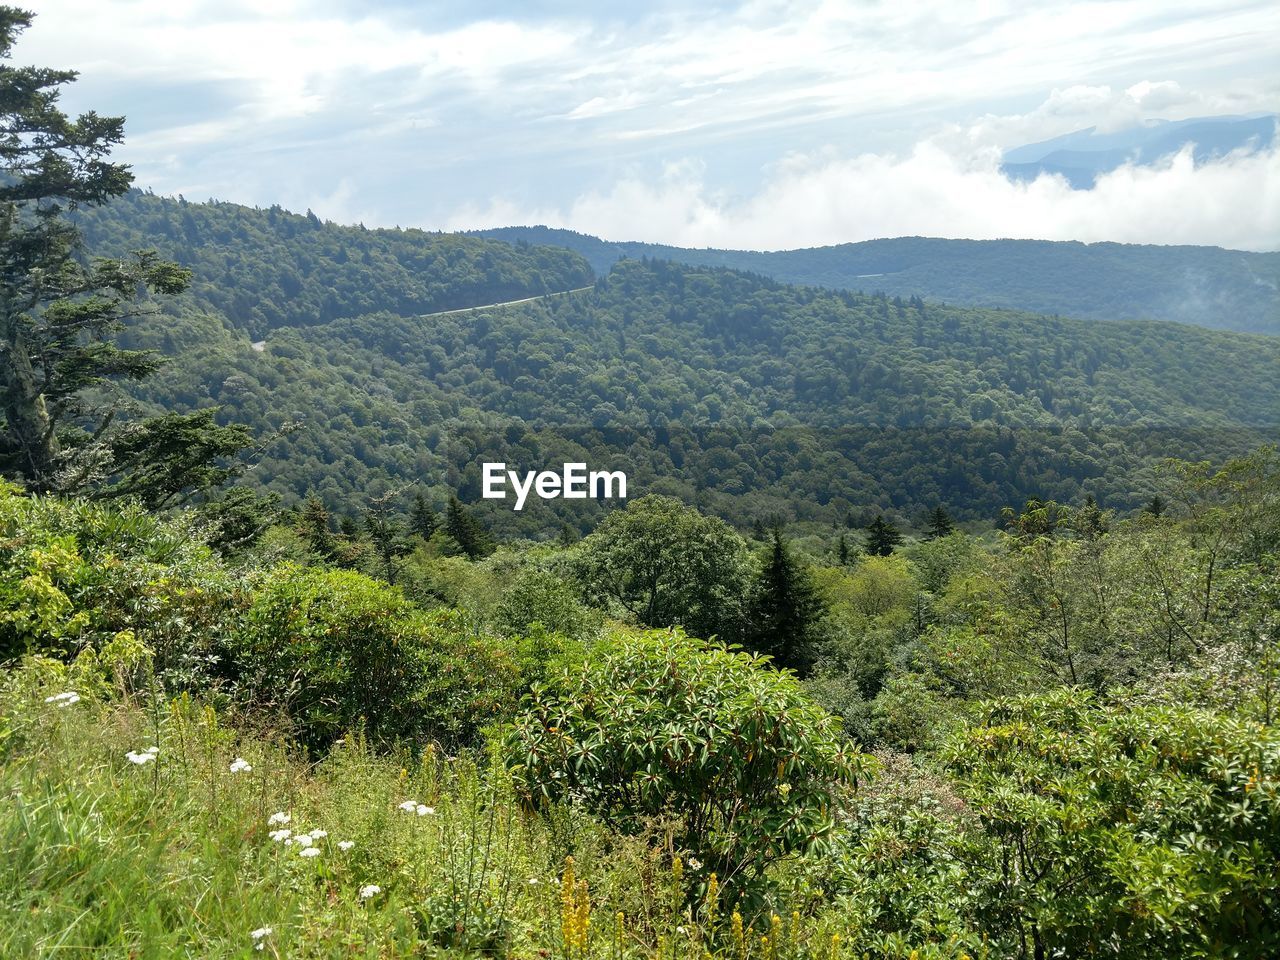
column 378, row 730
column 744, row 396
column 263, row 269
column 1206, row 286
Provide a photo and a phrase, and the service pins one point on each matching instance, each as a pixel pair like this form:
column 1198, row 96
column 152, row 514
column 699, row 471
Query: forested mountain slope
column 741, row 395
column 263, row 269
column 1206, row 286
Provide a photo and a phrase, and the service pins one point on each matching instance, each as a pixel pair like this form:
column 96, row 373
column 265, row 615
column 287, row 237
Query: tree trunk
column 30, row 439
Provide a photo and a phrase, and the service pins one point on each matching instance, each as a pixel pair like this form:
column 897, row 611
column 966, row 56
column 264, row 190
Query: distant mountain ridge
column 732, row 391
column 1083, row 155
column 1205, row 286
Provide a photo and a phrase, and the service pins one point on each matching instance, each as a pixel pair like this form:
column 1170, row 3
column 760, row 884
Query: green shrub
column 538, row 597
column 660, row 723
column 74, row 575
column 1127, row 832
column 335, row 650
column 905, row 869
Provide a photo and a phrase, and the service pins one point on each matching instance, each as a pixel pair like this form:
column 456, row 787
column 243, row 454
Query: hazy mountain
column 1206, row 286
column 1084, row 154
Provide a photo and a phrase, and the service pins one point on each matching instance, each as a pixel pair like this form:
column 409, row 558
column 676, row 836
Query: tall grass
column 175, row 856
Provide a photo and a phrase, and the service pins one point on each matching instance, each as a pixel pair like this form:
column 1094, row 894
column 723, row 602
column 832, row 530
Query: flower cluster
column 64, row 699
column 259, row 936
column 241, row 765
column 305, row 841
column 421, row 809
column 143, row 758
column 575, row 910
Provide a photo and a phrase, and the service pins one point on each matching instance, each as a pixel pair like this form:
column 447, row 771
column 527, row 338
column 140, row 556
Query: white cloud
column 1234, row 202
column 1079, row 106
column 425, row 109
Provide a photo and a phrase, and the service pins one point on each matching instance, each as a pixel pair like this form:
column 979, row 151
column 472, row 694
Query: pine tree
column 385, row 534
column 786, row 609
column 940, row 524
column 1090, row 522
column 60, row 312
column 842, row 551
column 882, row 537
column 422, row 519
column 466, row 530
column 1156, row 506
column 313, row 525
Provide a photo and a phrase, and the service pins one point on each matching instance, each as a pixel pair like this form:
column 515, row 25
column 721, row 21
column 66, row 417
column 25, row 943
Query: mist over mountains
column 1206, row 286
column 1083, row 155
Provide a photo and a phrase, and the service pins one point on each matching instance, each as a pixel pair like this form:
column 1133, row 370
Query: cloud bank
column 822, row 199
column 666, row 121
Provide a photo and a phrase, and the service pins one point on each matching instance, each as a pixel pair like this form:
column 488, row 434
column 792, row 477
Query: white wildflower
column 64, row 699
column 319, row 834
column 534, row 881
column 153, row 749
column 345, row 845
column 309, row 852
column 240, row 765
column 409, row 806
column 279, row 835
column 277, row 818
column 371, row 890
column 140, row 759
column 302, row 840
column 260, row 933
column 425, row 811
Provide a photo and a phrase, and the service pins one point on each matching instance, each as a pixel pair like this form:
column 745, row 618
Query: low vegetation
column 935, row 783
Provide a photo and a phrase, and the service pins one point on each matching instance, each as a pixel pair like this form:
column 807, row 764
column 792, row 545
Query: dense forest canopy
column 729, row 390
column 263, row 269
column 1206, row 286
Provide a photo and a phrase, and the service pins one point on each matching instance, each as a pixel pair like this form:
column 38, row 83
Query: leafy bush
column 904, row 871
column 1127, row 832
column 74, row 575
column 543, row 598
column 659, row 723
column 336, row 650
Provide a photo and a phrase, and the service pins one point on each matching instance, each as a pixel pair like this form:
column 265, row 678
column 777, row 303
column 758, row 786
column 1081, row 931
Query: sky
column 759, row 125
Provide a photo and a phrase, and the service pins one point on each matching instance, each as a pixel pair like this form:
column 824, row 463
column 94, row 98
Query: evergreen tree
column 1091, row 523
column 466, row 530
column 843, row 553
column 568, row 535
column 1156, row 506
column 313, row 525
column 59, row 313
column 786, row 609
column 385, row 533
column 940, row 524
column 882, row 537
column 422, row 519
